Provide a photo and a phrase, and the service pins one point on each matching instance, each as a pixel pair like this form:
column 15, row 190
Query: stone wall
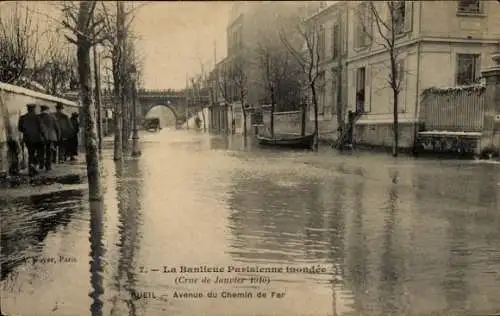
column 380, row 134
column 15, row 98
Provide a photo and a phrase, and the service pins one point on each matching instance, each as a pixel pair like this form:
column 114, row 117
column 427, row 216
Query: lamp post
column 135, row 133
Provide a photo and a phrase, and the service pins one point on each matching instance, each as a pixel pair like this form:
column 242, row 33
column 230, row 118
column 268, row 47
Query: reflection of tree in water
column 488, row 188
column 391, row 265
column 96, row 255
column 336, row 222
column 336, row 225
column 476, row 185
column 129, row 185
column 358, row 251
column 217, row 142
column 27, row 222
column 455, row 285
column 268, row 218
column 315, row 230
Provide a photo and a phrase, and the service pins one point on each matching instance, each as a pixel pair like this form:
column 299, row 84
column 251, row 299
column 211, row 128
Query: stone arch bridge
column 175, row 102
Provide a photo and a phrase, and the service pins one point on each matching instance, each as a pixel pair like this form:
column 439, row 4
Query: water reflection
column 269, row 220
column 96, row 256
column 455, row 285
column 391, row 264
column 26, row 222
column 129, row 184
column 357, row 258
column 219, row 142
column 336, row 223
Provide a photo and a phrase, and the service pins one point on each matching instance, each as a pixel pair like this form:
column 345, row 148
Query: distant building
column 249, row 22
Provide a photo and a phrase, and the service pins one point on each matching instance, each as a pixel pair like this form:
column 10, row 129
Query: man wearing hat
column 51, row 134
column 66, row 129
column 29, row 125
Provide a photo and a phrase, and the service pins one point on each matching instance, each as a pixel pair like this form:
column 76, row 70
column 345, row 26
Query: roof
column 325, row 9
column 23, row 91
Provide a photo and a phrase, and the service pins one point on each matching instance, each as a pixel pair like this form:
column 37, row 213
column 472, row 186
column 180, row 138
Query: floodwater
column 380, row 236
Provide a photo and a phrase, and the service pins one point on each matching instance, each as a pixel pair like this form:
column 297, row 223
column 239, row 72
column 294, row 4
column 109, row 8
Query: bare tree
column 223, row 83
column 265, row 63
column 198, row 84
column 388, row 30
column 17, row 47
column 86, row 28
column 57, row 70
column 308, row 56
column 18, row 42
column 240, row 80
column 121, row 52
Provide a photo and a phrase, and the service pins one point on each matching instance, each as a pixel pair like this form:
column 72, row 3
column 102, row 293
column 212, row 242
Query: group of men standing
column 49, row 137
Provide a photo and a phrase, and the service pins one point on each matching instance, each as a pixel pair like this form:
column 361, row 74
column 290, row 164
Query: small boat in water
column 288, row 141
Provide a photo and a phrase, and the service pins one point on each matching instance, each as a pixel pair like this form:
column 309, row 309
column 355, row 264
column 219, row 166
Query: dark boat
column 287, row 141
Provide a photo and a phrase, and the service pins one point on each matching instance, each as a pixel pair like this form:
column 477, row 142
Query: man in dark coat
column 51, row 134
column 66, row 129
column 29, row 125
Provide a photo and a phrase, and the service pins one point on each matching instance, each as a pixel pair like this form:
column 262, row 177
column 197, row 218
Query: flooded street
column 384, row 236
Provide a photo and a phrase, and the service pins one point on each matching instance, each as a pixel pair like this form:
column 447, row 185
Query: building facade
column 331, row 84
column 250, row 23
column 436, row 44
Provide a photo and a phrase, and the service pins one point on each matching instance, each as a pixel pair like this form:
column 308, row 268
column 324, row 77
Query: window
column 321, row 43
column 336, row 41
column 360, row 89
column 335, row 91
column 321, row 93
column 469, row 6
column 402, row 16
column 364, row 26
column 467, row 69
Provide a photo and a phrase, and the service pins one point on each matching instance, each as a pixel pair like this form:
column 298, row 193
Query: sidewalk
column 60, row 175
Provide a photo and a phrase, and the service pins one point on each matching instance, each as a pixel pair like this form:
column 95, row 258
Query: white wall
column 378, row 93
column 16, row 99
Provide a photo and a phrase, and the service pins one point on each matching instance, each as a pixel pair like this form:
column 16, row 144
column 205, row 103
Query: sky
column 174, row 37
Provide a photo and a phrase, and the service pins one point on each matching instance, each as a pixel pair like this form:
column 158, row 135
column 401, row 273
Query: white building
column 439, row 44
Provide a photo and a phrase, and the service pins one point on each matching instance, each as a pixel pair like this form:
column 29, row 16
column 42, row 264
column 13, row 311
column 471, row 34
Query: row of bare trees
column 103, row 23
column 33, row 58
column 64, row 65
column 278, row 81
column 388, row 19
column 289, row 63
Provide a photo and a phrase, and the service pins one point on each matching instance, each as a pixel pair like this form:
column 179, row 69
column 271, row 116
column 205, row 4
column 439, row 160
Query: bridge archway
column 166, row 114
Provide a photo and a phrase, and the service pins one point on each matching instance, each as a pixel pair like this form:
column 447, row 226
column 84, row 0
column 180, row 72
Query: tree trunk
column 118, row 81
column 396, row 123
column 316, row 128
column 273, row 105
column 126, row 112
column 303, row 110
column 244, row 123
column 90, row 130
column 340, row 108
column 98, row 97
